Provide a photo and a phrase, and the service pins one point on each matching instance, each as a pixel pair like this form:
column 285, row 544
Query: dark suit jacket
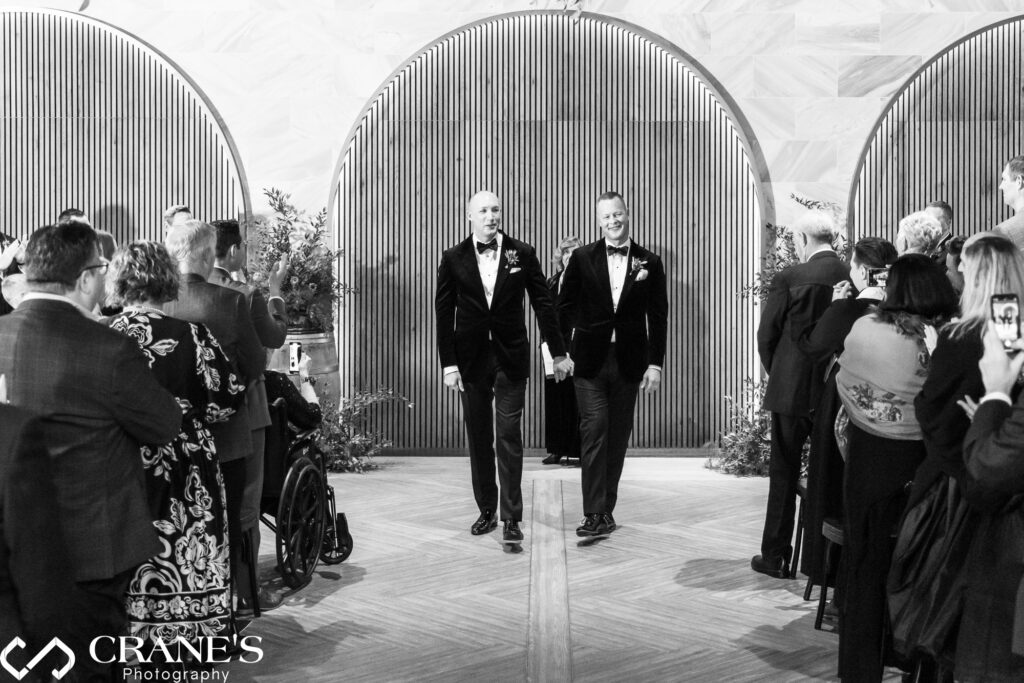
column 640, row 322
column 36, row 589
column 226, row 312
column 797, row 297
column 98, row 400
column 465, row 325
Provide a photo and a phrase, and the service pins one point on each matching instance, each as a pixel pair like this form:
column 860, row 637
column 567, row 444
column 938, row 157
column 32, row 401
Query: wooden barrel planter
column 323, row 353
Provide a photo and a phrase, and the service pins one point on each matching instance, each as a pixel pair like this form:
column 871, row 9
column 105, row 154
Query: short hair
column 610, row 194
column 921, row 232
column 817, row 225
column 72, row 214
column 228, row 235
column 142, row 271
column 919, row 286
column 874, row 252
column 173, row 210
column 1016, row 167
column 992, row 265
column 571, row 242
column 59, row 253
column 192, row 241
column 944, row 206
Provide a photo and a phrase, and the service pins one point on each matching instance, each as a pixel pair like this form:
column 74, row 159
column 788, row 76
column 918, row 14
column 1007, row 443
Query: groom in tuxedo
column 485, row 353
column 614, row 298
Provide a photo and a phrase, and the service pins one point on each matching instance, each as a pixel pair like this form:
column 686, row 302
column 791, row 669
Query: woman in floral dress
column 185, row 590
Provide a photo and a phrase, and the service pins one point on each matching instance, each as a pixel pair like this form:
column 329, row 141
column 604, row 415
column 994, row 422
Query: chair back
column 275, row 449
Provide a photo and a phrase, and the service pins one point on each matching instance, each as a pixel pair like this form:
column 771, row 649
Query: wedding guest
column 303, row 404
column 1011, row 184
column 183, row 479
column 883, row 366
column 561, row 417
column 13, row 289
column 12, row 254
column 918, row 233
column 953, row 259
column 485, row 353
column 824, row 342
column 615, row 300
column 175, row 215
column 92, row 433
column 797, row 297
column 943, row 213
column 225, row 312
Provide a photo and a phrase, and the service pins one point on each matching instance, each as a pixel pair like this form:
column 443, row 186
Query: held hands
column 841, row 291
column 453, row 380
column 277, row 274
column 651, row 380
column 999, row 370
column 563, row 367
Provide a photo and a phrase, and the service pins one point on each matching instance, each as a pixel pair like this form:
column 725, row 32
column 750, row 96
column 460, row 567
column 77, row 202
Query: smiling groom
column 485, row 353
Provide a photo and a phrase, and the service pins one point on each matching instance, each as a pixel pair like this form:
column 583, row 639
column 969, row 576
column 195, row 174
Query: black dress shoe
column 772, row 566
column 609, row 521
column 485, row 523
column 511, row 533
column 552, row 459
column 593, row 526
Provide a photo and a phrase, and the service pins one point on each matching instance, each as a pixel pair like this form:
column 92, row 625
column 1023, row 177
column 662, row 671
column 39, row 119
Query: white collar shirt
column 617, row 265
column 488, row 262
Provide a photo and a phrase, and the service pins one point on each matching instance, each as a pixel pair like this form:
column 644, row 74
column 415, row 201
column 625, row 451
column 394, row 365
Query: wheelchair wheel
column 337, row 539
column 300, row 522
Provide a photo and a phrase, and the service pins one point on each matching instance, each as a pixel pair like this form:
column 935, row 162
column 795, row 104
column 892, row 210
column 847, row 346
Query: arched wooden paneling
column 96, row 119
column 548, row 113
column 946, row 135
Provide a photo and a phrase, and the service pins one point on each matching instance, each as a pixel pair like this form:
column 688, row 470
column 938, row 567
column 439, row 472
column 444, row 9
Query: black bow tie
column 481, row 247
column 621, row 251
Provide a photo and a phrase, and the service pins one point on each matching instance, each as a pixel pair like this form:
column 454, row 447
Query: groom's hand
column 453, row 380
column 651, row 380
column 563, row 367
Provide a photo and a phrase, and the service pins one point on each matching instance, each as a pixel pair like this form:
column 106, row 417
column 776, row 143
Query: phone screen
column 294, row 356
column 877, row 277
column 1006, row 317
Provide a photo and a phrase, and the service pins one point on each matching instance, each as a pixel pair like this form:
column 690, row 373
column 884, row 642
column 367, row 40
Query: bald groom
column 485, row 353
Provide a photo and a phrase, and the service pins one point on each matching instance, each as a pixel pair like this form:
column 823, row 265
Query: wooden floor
column 669, row 597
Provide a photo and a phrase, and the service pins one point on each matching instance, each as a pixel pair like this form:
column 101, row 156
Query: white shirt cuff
column 654, row 367
column 449, row 369
column 279, row 298
column 996, row 396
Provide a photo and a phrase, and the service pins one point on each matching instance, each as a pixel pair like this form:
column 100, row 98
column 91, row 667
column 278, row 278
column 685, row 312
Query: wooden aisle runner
column 549, row 650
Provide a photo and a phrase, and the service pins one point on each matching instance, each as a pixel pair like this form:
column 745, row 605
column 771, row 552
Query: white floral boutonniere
column 512, row 259
column 639, row 269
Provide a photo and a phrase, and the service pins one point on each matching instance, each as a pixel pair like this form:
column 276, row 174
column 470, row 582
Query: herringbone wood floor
column 669, row 597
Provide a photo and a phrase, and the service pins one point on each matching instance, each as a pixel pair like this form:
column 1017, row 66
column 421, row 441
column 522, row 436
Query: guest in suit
column 37, row 594
column 615, row 300
column 225, row 312
column 98, row 401
column 561, row 418
column 797, row 297
column 485, row 353
column 824, row 343
column 1011, row 185
column 270, row 320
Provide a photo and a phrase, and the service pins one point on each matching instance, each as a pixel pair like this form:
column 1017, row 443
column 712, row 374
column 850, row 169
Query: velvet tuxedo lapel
column 503, row 267
column 635, row 252
column 468, row 260
column 599, row 262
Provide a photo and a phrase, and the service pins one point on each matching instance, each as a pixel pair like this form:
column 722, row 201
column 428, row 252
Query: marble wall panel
column 752, row 33
column 774, row 116
column 880, row 76
column 801, row 160
column 919, row 33
column 834, row 33
column 795, row 76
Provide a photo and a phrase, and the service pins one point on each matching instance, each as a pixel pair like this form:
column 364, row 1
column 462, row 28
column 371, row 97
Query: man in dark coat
column 485, row 353
column 614, row 298
column 797, row 297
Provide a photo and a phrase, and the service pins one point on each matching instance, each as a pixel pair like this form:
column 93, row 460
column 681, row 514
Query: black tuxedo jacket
column 797, row 297
column 98, row 400
column 640, row 323
column 465, row 324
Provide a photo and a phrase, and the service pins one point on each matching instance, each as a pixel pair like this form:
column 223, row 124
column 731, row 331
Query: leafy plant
column 345, row 437
column 746, row 448
column 310, row 289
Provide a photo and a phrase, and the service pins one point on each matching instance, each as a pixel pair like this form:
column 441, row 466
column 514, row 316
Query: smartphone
column 877, row 277
column 944, row 242
column 1006, row 316
column 294, row 356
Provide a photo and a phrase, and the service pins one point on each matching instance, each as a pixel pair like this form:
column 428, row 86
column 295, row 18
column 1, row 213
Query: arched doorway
column 549, row 112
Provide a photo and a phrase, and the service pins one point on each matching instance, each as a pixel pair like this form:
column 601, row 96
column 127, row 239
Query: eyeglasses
column 102, row 267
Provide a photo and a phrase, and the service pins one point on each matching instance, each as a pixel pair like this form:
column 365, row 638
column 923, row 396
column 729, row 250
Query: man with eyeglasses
column 97, row 401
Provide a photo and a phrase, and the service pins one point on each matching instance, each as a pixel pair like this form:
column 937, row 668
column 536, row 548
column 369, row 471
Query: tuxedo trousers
column 789, row 432
column 494, row 405
column 606, row 403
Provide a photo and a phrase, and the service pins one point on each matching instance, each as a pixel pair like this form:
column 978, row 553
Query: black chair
column 832, row 531
column 794, row 566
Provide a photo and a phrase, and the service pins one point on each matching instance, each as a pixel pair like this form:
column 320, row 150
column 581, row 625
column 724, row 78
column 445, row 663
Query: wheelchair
column 298, row 504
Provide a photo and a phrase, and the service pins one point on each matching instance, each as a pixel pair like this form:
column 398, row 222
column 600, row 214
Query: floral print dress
column 185, row 590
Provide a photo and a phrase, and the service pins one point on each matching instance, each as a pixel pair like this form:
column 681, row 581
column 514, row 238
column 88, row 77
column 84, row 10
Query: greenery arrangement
column 310, row 290
column 344, row 435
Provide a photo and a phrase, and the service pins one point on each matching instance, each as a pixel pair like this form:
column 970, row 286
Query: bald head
column 484, row 213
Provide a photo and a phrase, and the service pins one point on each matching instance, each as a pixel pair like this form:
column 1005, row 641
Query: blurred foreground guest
column 1011, row 184
column 797, row 297
column 919, row 233
column 37, row 595
column 226, row 313
column 561, row 418
column 883, row 366
column 13, row 289
column 824, row 343
column 953, row 259
column 186, row 492
column 98, row 401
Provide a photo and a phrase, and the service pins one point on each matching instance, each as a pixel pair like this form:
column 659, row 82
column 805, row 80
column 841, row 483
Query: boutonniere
column 511, row 258
column 639, row 269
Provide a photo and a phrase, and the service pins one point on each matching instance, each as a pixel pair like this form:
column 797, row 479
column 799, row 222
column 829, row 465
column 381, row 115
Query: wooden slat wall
column 548, row 113
column 93, row 118
column 947, row 135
